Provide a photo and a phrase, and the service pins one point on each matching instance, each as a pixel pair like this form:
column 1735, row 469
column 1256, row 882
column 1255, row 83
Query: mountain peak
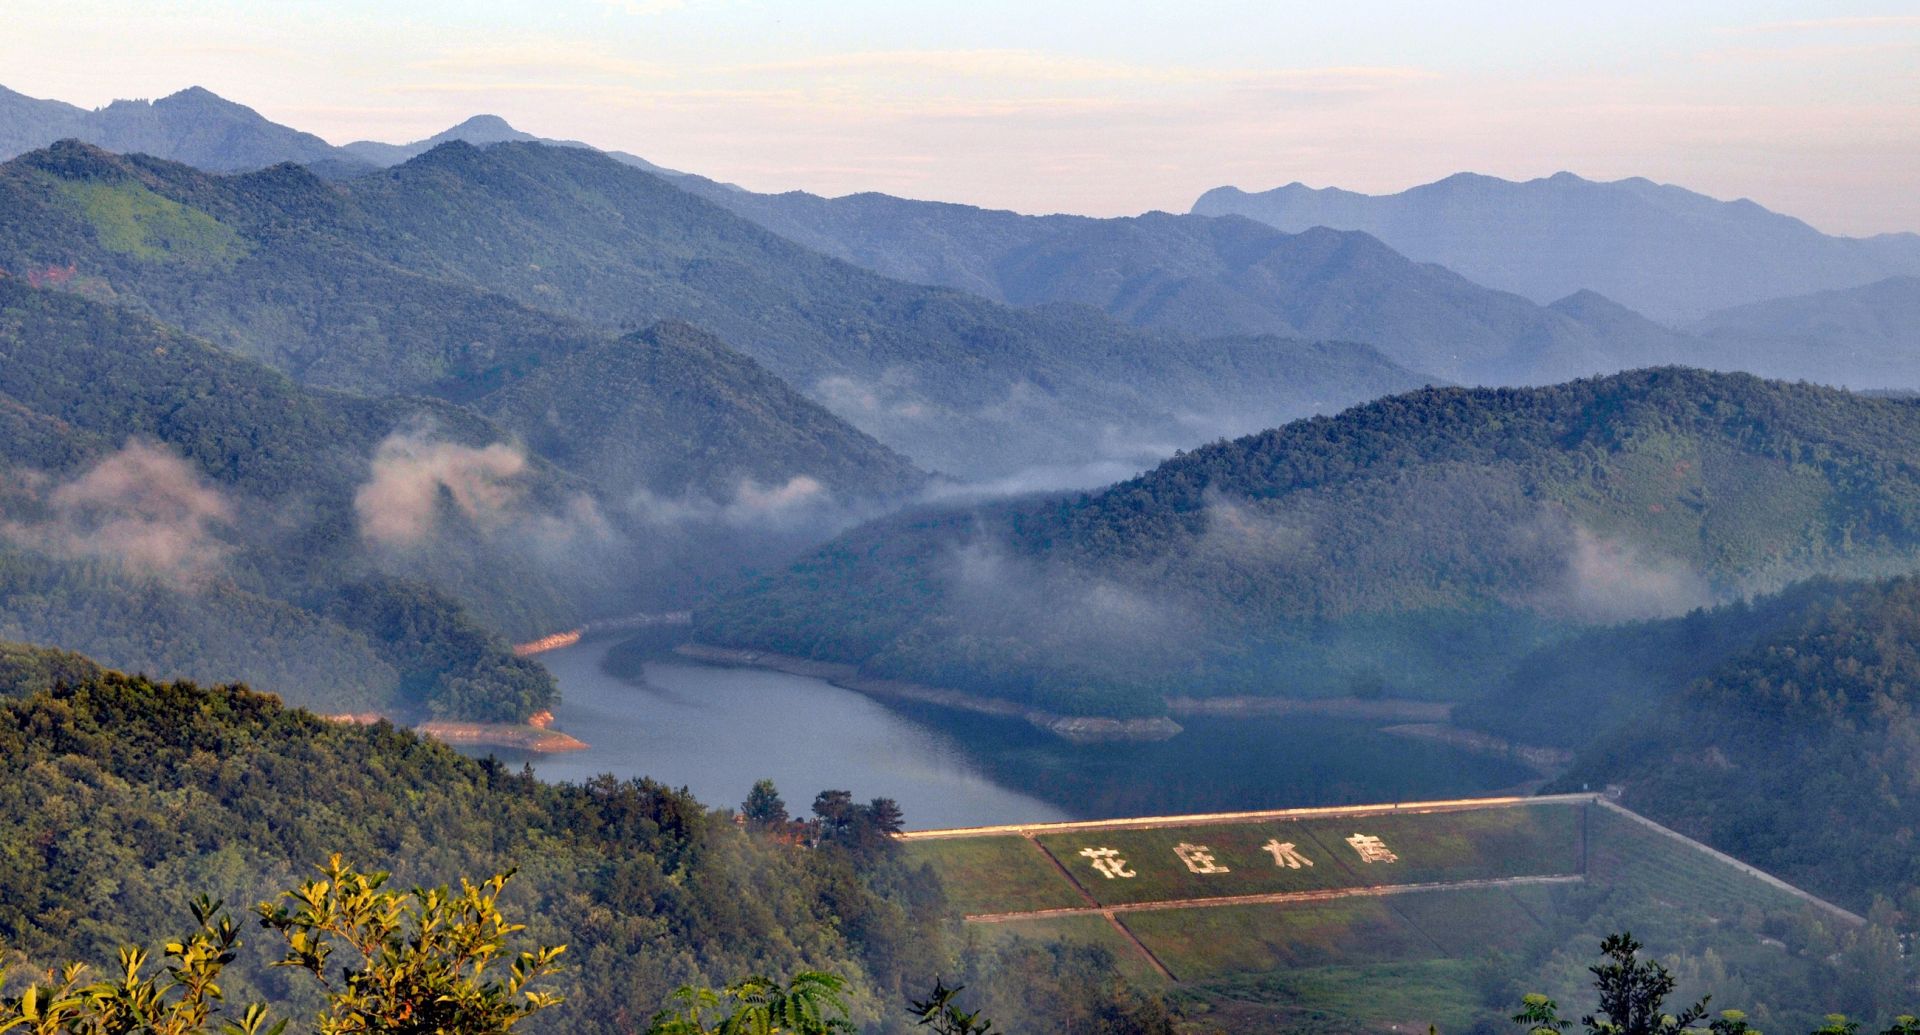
column 484, row 123
column 481, row 129
column 196, row 93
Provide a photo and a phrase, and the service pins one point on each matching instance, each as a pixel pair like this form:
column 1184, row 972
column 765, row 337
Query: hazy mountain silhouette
column 194, row 126
column 200, row 128
column 1872, row 332
column 1665, row 251
column 1205, row 276
column 483, row 129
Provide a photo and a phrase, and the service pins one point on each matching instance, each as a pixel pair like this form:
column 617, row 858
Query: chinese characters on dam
column 1201, row 859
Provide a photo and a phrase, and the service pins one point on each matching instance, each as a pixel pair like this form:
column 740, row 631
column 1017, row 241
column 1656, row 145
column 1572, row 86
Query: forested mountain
column 1418, row 545
column 1799, row 751
column 172, row 508
column 1658, row 249
column 400, row 282
column 482, row 129
column 960, row 384
column 672, row 411
column 1205, row 276
column 285, row 268
column 121, row 798
column 194, row 126
column 1872, row 332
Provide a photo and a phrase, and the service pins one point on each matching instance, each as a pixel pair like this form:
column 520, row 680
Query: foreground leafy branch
column 813, row 1003
column 418, row 962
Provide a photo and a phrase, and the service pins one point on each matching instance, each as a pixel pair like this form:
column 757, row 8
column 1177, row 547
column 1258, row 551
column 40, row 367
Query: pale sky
column 1103, row 108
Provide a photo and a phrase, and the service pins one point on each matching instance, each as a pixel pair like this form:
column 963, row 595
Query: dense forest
column 124, row 797
column 1417, row 546
column 1798, row 751
column 175, row 509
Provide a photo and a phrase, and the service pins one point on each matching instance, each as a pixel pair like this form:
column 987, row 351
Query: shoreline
column 1082, row 729
column 1078, row 729
column 1389, row 709
column 1548, row 762
column 518, row 736
column 1400, row 717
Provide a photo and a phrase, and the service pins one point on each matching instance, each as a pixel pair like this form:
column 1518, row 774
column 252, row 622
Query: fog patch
column 802, row 502
column 1100, row 621
column 891, row 395
column 1094, row 474
column 1609, row 580
column 413, row 475
column 578, row 523
column 1247, row 532
column 415, row 480
column 143, row 508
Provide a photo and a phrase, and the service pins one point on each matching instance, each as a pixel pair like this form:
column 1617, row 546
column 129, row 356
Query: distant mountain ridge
column 1665, row 251
column 449, row 275
column 1553, row 240
column 1218, row 276
column 198, row 127
column 195, row 126
column 1872, row 327
column 961, row 384
column 481, row 130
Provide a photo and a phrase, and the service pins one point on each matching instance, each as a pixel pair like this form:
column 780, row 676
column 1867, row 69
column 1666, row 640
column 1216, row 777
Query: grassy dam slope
column 1285, row 915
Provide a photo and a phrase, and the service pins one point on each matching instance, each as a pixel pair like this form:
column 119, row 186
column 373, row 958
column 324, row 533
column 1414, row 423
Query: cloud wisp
column 142, row 508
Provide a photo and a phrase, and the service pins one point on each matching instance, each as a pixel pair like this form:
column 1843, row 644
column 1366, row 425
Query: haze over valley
column 492, row 499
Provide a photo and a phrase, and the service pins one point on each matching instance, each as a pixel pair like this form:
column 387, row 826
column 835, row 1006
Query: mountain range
column 194, row 126
column 1586, row 259
column 463, row 268
column 1662, row 250
column 1204, row 276
column 198, row 127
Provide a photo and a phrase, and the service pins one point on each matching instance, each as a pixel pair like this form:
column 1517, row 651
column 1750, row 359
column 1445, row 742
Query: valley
column 826, row 610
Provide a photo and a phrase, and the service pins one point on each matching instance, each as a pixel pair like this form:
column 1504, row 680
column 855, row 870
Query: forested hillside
column 673, row 411
column 1578, row 690
column 445, row 275
column 1413, row 546
column 960, row 384
column 122, row 798
column 1799, row 753
column 267, row 265
column 172, row 508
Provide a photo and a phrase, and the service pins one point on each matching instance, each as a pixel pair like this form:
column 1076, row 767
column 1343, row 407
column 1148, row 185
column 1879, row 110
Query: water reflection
column 716, row 730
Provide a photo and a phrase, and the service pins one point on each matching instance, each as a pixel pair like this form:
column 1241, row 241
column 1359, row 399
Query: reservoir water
column 716, row 730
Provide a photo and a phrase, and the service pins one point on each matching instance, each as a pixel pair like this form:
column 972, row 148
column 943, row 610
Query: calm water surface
column 717, row 730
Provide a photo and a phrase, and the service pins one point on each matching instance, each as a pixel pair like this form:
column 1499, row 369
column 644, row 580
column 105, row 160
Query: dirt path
column 1278, row 896
column 1093, row 905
